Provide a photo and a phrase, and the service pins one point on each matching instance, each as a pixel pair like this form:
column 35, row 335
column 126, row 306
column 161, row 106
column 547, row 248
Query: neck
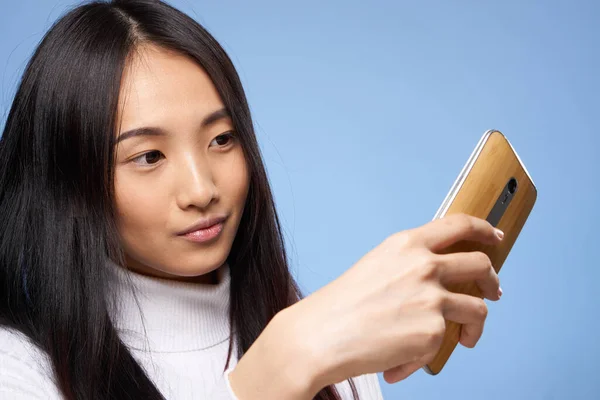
column 173, row 315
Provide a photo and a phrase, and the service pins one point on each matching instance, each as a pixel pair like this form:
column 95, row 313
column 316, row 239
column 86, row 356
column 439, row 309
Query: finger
column 470, row 266
column 444, row 232
column 470, row 334
column 469, row 311
column 402, row 372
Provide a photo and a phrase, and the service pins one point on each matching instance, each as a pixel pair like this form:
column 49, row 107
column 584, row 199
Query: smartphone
column 493, row 185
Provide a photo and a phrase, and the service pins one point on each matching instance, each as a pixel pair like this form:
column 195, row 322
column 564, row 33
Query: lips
column 204, row 223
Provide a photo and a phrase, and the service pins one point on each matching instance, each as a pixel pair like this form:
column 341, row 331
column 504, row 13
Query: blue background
column 366, row 111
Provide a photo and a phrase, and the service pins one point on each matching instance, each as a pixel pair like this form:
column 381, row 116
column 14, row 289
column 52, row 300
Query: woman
column 141, row 256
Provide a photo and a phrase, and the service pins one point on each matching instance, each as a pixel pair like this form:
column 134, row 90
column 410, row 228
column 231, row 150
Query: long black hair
column 57, row 204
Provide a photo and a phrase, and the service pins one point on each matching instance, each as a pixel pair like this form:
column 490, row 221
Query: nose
column 195, row 186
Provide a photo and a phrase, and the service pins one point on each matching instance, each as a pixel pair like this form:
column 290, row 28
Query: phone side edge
column 462, row 176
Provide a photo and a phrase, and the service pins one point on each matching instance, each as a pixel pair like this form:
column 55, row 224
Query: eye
column 149, row 158
column 224, row 139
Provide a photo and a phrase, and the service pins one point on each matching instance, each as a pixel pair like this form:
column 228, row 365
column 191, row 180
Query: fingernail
column 499, row 233
column 499, row 292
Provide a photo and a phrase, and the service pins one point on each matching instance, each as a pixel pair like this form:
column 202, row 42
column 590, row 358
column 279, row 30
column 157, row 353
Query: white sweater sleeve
column 368, row 387
column 25, row 372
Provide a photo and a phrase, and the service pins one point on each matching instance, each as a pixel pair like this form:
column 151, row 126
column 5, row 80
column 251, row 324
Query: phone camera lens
column 512, row 186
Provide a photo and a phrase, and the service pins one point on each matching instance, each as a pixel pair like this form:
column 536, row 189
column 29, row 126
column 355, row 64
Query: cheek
column 235, row 180
column 138, row 207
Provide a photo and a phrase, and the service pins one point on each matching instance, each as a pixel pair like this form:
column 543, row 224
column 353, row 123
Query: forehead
column 158, row 83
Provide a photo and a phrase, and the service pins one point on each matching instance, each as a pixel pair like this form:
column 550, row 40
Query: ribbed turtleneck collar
column 177, row 316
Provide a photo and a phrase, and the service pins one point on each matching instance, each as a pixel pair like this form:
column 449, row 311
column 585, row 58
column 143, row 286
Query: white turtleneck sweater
column 182, row 342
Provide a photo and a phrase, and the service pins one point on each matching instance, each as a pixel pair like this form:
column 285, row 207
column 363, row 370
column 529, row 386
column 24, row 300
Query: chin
column 185, row 264
column 200, row 263
column 194, row 270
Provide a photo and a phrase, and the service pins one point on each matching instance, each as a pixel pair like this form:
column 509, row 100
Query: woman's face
column 185, row 166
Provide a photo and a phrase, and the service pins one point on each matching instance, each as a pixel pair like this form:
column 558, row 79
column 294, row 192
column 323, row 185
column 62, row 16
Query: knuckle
column 434, row 300
column 462, row 221
column 461, row 218
column 482, row 310
column 435, row 333
column 430, row 265
column 468, row 223
column 450, row 220
column 401, row 239
column 483, row 260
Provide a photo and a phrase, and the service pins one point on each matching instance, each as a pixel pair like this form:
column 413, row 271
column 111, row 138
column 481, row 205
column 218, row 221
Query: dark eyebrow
column 218, row 115
column 151, row 131
column 146, row 131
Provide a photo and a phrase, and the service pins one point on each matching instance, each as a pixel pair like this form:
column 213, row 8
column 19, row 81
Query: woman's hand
column 387, row 312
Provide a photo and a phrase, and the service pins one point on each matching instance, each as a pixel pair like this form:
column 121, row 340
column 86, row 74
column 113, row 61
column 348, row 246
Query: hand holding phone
column 493, row 185
column 387, row 312
column 402, row 306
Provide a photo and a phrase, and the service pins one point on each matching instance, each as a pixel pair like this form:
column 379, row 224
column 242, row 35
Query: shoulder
column 25, row 370
column 367, row 386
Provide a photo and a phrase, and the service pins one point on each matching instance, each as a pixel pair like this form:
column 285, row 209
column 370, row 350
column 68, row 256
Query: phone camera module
column 512, row 186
